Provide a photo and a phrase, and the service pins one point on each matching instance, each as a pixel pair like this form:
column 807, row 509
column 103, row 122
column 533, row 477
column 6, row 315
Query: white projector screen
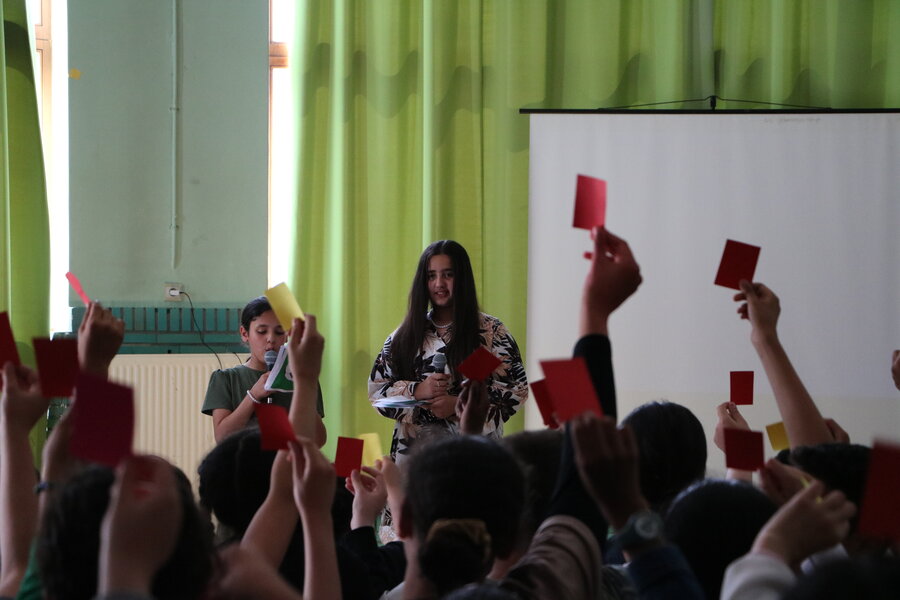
column 817, row 192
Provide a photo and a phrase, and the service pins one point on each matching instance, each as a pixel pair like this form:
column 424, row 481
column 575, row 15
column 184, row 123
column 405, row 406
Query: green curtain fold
column 409, row 131
column 25, row 244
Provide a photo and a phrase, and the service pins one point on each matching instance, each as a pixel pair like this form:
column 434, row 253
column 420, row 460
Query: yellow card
column 778, row 436
column 371, row 448
column 285, row 305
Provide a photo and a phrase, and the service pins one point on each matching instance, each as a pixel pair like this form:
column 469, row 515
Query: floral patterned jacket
column 507, row 386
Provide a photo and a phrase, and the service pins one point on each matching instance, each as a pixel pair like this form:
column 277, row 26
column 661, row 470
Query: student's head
column 443, row 280
column 537, row 452
column 234, row 479
column 714, row 522
column 260, row 328
column 463, row 506
column 68, row 544
column 672, row 449
column 839, row 466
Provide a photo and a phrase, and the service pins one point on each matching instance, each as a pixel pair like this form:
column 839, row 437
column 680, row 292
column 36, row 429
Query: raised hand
column 837, row 432
column 314, row 478
column 729, row 418
column 369, row 495
column 613, row 277
column 761, row 307
column 21, row 401
column 607, row 460
column 100, row 336
column 805, row 525
column 305, row 348
column 393, row 482
column 781, row 482
column 141, row 526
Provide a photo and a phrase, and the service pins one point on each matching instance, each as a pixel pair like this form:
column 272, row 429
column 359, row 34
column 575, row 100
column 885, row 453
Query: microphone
column 439, row 362
column 271, row 357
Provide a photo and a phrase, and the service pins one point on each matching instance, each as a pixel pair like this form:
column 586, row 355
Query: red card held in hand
column 274, row 426
column 590, row 203
column 544, row 402
column 743, row 449
column 878, row 516
column 102, row 420
column 349, row 456
column 738, row 262
column 57, row 362
column 742, row 387
column 479, row 364
column 570, row 387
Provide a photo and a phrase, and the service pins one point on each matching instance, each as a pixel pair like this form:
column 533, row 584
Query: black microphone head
column 439, row 362
column 271, row 357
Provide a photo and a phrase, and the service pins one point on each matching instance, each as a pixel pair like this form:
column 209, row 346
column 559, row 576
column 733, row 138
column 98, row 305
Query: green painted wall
column 130, row 169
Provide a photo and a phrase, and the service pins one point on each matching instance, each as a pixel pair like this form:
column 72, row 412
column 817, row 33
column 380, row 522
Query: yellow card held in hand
column 371, row 448
column 285, row 305
column 778, row 436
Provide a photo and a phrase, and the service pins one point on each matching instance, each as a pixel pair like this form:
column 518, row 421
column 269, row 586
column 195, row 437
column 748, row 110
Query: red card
column 479, row 364
column 742, row 387
column 349, row 455
column 738, row 262
column 57, row 362
column 590, row 203
column 743, row 449
column 545, row 404
column 879, row 517
column 102, row 420
column 8, row 350
column 274, row 426
column 76, row 285
column 570, row 387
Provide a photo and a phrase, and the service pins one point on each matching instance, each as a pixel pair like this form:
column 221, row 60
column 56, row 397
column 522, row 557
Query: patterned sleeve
column 508, row 387
column 383, row 385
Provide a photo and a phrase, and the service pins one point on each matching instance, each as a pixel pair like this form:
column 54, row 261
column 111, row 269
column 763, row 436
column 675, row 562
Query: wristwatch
column 642, row 529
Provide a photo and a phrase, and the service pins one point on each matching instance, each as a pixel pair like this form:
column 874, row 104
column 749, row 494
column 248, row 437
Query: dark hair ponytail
column 465, row 496
column 463, row 543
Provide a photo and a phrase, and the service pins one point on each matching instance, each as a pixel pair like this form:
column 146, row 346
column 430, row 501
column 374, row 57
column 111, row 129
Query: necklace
column 442, row 325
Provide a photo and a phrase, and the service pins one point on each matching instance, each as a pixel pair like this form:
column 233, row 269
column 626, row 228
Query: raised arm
column 272, row 527
column 802, row 420
column 314, row 483
column 808, row 523
column 21, row 405
column 100, row 336
column 613, row 277
column 140, row 529
column 607, row 460
column 730, row 418
column 305, row 348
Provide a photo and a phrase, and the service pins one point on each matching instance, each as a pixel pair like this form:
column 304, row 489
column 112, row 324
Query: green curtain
column 408, row 130
column 25, row 243
column 825, row 53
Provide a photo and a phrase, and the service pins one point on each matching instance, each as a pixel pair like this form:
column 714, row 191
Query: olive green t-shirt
column 227, row 388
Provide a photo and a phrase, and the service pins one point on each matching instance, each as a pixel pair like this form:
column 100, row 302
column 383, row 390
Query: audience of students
column 594, row 510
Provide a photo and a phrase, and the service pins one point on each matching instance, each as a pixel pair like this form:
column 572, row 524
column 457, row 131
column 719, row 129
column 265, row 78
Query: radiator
column 168, row 393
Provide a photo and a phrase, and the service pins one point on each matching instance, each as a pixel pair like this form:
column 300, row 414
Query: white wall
column 818, row 193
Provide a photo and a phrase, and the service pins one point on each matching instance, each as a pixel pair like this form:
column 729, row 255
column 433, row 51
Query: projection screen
column 818, row 192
